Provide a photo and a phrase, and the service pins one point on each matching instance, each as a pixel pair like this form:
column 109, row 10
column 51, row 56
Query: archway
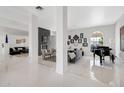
column 97, row 39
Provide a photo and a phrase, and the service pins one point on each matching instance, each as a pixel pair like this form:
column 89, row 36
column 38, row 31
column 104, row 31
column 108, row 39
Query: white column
column 33, row 38
column 61, row 36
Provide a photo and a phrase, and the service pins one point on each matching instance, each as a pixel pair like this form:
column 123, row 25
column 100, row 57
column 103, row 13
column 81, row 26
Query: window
column 97, row 39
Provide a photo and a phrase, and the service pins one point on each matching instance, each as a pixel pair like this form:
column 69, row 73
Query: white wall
column 108, row 32
column 2, row 40
column 12, row 40
column 9, row 30
column 118, row 25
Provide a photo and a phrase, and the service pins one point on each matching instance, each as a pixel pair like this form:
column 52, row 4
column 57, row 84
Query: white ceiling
column 86, row 16
column 47, row 16
column 17, row 17
column 78, row 16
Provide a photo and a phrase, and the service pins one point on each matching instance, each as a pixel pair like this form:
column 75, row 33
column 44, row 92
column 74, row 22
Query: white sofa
column 74, row 55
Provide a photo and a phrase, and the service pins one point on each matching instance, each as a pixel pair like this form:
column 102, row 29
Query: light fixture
column 39, row 7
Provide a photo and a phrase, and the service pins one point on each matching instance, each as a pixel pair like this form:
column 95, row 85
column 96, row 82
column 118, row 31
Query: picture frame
column 85, row 44
column 76, row 37
column 20, row 41
column 72, row 41
column 69, row 36
column 79, row 40
column 68, row 42
column 85, row 40
column 81, row 35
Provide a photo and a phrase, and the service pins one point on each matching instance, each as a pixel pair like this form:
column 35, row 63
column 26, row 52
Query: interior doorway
column 97, row 39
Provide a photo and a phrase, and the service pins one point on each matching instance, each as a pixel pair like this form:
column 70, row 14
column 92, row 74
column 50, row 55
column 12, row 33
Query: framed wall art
column 81, row 35
column 69, row 36
column 20, row 41
column 79, row 40
column 72, row 40
column 85, row 40
column 76, row 37
column 68, row 42
column 85, row 44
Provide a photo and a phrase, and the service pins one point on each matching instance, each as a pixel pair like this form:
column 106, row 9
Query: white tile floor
column 19, row 71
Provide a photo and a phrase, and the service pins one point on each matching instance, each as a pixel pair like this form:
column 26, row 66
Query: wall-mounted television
column 122, row 38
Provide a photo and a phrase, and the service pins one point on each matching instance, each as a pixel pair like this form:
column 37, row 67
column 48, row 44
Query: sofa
column 74, row 55
column 48, row 53
column 13, row 51
column 18, row 50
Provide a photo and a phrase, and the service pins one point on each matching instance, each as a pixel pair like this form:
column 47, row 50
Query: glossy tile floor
column 20, row 71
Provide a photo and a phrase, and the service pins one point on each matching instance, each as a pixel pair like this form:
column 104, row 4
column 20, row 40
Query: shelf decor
column 6, row 39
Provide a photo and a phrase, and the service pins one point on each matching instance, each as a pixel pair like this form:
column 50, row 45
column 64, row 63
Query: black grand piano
column 102, row 51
